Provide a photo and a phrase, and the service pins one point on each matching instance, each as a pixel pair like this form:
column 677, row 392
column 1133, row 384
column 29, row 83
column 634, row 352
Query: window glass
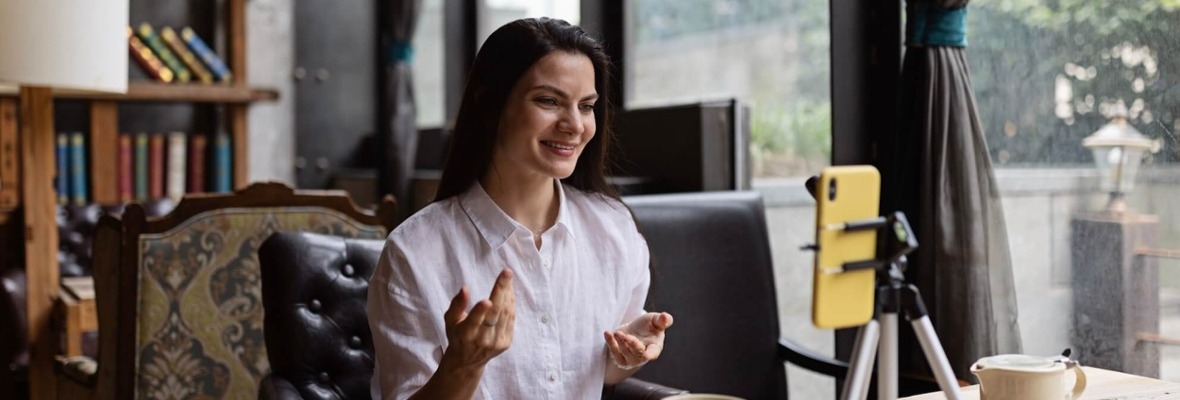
column 495, row 13
column 772, row 55
column 429, row 87
column 1047, row 74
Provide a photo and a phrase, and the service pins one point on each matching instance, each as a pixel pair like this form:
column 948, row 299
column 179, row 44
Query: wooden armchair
column 179, row 297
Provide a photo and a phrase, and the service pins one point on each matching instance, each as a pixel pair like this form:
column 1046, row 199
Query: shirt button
column 545, row 319
column 552, row 377
column 545, row 263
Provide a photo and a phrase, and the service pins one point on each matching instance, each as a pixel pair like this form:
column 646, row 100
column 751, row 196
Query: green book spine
column 190, row 60
column 141, row 166
column 153, row 41
column 79, row 187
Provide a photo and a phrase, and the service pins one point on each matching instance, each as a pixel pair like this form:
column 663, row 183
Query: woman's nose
column 571, row 122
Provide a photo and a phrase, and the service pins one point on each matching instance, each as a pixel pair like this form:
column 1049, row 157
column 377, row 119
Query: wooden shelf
column 181, row 93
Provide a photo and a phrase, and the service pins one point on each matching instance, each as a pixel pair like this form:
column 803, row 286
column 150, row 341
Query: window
column 773, row 56
column 770, row 54
column 429, row 87
column 1046, row 75
column 495, row 13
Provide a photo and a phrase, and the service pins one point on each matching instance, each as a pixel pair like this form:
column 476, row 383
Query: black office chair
column 711, row 269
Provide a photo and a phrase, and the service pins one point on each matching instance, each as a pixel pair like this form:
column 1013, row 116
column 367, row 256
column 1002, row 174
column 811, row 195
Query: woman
column 523, row 212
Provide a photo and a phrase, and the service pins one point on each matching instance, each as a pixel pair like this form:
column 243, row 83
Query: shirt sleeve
column 407, row 336
column 639, row 266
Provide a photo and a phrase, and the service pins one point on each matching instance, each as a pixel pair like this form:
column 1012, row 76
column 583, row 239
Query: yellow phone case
column 844, row 299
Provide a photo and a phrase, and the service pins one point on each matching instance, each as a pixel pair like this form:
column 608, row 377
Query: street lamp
column 1118, row 149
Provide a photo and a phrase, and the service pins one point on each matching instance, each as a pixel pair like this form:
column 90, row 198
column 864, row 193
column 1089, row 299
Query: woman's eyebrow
column 563, row 94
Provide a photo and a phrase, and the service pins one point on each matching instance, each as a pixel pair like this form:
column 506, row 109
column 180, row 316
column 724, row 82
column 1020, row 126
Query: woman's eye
column 549, row 101
column 586, row 108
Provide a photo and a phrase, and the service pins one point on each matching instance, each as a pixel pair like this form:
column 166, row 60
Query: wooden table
column 1100, row 384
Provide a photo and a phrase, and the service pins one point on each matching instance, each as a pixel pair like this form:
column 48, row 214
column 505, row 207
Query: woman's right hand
column 474, row 338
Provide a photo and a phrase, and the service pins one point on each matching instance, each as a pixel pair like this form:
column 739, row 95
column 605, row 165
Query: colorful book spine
column 126, row 169
column 78, row 186
column 222, row 163
column 177, row 151
column 153, row 41
column 61, row 180
column 196, row 164
column 155, row 166
column 178, row 47
column 146, row 59
column 141, row 166
column 217, row 67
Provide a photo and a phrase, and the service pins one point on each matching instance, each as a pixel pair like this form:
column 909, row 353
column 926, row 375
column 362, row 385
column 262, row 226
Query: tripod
column 893, row 297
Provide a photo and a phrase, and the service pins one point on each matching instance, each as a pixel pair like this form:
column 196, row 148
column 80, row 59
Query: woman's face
column 548, row 118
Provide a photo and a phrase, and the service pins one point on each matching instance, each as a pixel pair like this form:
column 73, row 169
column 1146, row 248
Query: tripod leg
column 856, row 383
column 936, row 357
column 887, row 358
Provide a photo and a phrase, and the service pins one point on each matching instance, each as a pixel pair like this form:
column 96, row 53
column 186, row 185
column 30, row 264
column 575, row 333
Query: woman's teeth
column 558, row 146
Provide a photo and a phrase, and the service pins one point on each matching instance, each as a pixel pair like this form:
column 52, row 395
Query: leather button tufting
column 324, row 378
column 348, row 270
column 314, row 306
column 355, row 342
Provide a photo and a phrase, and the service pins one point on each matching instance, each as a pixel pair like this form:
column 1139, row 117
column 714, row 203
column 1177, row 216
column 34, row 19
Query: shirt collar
column 494, row 225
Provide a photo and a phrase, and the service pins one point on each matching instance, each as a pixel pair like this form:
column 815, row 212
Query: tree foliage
column 1046, row 71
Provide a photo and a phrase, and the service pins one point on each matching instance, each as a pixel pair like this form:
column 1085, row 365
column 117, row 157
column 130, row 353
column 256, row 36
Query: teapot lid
column 1020, row 362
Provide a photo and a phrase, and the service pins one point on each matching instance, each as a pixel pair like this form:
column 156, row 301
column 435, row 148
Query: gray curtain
column 398, row 138
column 963, row 265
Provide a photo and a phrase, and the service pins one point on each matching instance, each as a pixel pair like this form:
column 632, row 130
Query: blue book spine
column 216, row 66
column 78, row 187
column 222, row 163
column 61, row 179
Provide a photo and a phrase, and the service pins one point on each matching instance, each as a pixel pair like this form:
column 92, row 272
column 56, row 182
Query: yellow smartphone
column 844, row 194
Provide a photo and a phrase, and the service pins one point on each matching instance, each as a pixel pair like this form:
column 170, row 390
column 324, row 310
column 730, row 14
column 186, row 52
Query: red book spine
column 156, row 167
column 196, row 163
column 126, row 169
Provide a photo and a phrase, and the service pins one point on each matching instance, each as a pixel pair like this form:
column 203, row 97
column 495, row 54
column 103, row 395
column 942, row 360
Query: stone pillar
column 1115, row 291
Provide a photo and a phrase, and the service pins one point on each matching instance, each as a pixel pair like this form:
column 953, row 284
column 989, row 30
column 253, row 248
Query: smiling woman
column 524, row 212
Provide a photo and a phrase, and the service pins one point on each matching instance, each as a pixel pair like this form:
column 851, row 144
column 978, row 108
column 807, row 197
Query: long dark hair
column 504, row 58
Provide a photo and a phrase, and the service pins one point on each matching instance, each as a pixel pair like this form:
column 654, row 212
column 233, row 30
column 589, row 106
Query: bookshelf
column 27, row 169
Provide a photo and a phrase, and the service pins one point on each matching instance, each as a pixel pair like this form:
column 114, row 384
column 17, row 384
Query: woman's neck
column 530, row 201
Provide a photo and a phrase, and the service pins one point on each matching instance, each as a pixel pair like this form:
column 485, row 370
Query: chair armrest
column 81, row 370
column 637, row 389
column 273, row 388
column 795, row 353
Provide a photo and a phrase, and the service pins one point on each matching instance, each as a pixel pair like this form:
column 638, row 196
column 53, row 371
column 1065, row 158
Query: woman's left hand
column 638, row 341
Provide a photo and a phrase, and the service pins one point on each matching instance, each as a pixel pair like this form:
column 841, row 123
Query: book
column 175, row 174
column 153, row 41
column 216, row 66
column 78, row 170
column 61, row 176
column 126, row 169
column 155, row 166
column 196, row 163
column 146, row 59
column 141, row 166
column 222, row 163
column 195, row 66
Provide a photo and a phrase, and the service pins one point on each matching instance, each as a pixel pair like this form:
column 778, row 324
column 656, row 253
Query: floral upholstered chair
column 179, row 297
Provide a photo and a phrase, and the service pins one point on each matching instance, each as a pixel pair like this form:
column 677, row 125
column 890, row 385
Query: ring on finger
column 489, row 323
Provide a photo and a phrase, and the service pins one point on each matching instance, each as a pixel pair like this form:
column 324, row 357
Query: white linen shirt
column 590, row 275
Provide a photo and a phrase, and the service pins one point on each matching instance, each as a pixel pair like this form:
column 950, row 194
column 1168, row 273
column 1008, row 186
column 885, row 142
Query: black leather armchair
column 314, row 290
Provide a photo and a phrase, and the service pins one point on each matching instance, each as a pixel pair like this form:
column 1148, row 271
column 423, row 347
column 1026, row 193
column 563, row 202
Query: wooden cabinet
column 27, row 169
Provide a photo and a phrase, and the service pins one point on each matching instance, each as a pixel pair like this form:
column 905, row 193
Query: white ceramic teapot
column 1019, row 376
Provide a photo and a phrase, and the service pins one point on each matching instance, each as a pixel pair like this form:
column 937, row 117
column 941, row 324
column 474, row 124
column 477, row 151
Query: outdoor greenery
column 1047, row 73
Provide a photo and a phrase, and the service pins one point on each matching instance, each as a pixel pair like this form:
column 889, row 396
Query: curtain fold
column 398, row 137
column 963, row 266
